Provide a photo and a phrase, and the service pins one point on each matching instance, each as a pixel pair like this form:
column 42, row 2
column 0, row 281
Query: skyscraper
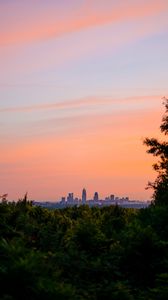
column 70, row 198
column 84, row 196
column 112, row 197
column 96, row 196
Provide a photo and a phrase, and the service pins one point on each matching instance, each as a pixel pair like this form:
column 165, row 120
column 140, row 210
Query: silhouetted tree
column 160, row 149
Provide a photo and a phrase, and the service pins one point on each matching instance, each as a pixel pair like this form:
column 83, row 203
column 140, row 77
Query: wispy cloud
column 48, row 24
column 79, row 103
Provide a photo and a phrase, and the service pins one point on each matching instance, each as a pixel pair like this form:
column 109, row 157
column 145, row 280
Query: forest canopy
column 83, row 253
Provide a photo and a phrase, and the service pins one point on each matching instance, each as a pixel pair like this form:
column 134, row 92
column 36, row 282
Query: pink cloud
column 81, row 102
column 49, row 24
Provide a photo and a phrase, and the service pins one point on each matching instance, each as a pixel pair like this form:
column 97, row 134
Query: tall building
column 70, row 198
column 96, row 196
column 84, row 196
column 112, row 197
column 63, row 200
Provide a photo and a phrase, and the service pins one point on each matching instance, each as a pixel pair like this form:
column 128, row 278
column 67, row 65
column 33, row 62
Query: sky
column 81, row 86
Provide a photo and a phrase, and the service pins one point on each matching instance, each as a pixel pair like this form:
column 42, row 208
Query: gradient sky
column 81, row 84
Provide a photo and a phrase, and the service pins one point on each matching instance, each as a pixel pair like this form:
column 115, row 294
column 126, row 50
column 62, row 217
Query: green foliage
column 83, row 253
column 160, row 149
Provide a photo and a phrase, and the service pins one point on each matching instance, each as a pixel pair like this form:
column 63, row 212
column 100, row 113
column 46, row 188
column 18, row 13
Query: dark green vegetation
column 88, row 253
column 83, row 253
column 160, row 149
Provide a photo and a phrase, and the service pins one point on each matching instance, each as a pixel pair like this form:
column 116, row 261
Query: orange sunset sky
column 81, row 86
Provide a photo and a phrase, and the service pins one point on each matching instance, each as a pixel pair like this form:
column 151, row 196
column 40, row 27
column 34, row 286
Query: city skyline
column 72, row 200
column 83, row 198
column 81, row 86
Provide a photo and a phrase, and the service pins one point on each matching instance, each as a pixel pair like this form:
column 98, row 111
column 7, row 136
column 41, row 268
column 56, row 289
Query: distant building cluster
column 70, row 200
